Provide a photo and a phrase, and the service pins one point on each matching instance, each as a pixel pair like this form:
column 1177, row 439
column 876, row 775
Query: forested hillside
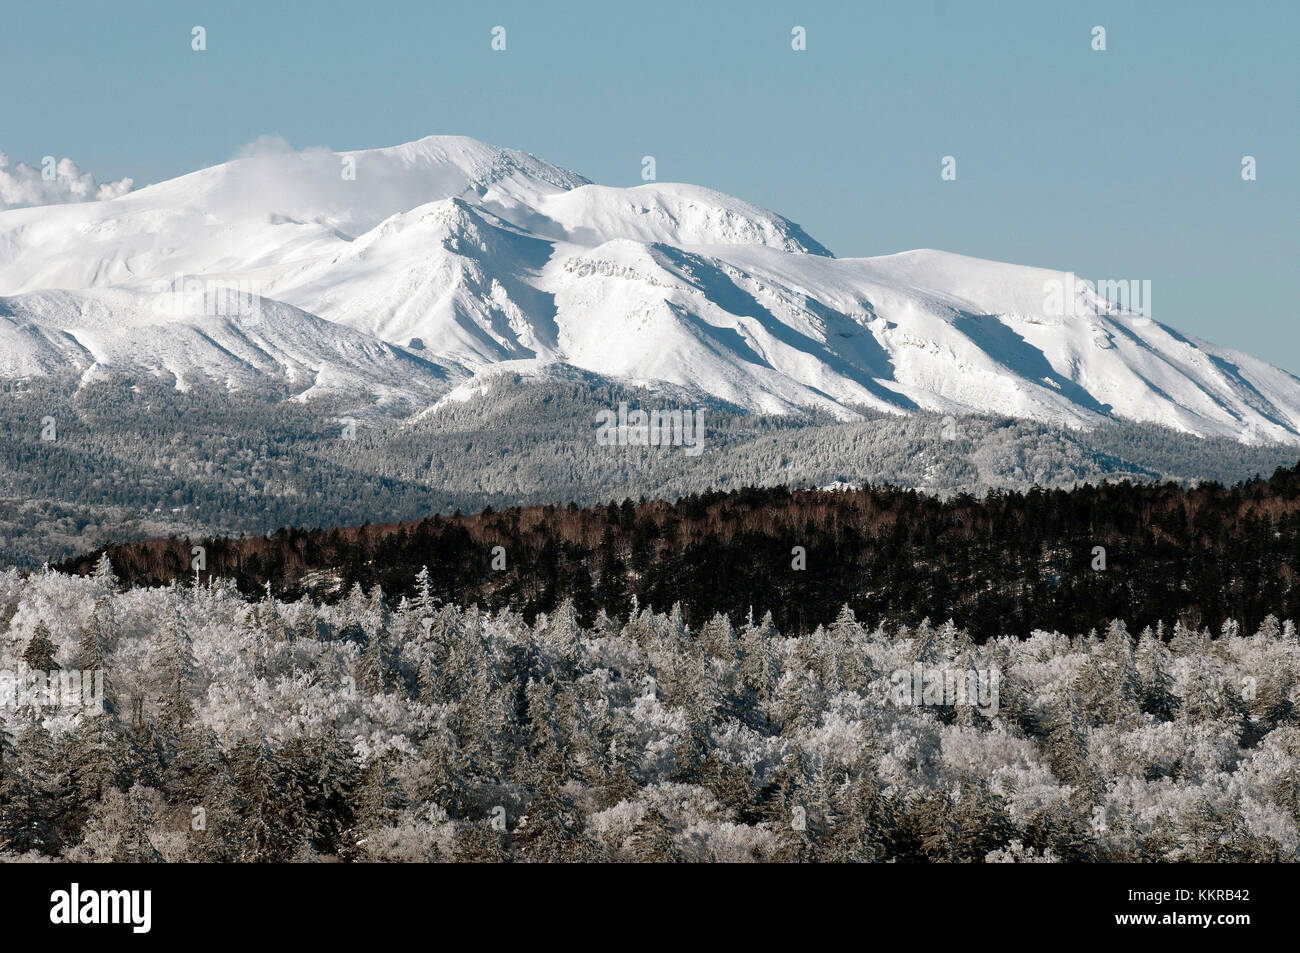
column 1004, row 564
column 133, row 457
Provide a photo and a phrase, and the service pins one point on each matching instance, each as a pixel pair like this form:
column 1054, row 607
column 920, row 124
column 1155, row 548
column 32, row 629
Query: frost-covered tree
column 495, row 738
column 173, row 666
column 40, row 654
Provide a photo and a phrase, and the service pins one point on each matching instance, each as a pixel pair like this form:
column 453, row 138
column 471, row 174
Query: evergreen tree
column 16, row 800
column 32, row 799
column 134, row 845
column 41, row 651
column 268, row 819
column 1155, row 681
column 93, row 645
column 652, row 839
column 478, row 842
column 103, row 574
column 174, row 666
column 552, row 830
column 91, row 747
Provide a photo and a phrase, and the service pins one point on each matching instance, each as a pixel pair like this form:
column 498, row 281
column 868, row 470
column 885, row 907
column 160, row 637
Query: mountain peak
column 487, row 255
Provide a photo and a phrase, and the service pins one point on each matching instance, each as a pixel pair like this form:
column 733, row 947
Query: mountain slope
column 471, row 255
column 237, row 340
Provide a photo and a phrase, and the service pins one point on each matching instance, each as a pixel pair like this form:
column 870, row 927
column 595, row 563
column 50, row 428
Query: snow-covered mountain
column 410, row 268
column 234, row 339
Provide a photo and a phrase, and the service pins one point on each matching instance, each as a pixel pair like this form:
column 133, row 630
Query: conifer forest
column 656, row 686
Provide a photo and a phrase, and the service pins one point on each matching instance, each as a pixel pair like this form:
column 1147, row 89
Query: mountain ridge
column 470, row 255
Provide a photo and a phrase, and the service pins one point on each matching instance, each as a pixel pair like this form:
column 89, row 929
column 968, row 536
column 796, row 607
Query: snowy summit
column 415, row 267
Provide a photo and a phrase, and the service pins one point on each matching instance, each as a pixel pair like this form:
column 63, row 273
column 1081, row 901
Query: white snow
column 491, row 255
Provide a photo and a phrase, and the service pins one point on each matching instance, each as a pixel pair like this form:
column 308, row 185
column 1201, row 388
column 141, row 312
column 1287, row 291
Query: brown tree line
column 1009, row 562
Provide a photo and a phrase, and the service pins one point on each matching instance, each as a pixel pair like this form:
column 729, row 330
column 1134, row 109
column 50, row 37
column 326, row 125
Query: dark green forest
column 1006, row 563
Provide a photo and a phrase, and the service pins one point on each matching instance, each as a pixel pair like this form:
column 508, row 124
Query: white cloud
column 264, row 145
column 24, row 185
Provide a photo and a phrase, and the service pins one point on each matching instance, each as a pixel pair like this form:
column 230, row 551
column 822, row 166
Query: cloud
column 24, row 185
column 264, row 145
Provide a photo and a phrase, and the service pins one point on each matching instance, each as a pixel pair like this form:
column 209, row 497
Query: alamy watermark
column 65, row 688
column 184, row 296
column 1072, row 297
column 651, row 428
column 74, row 906
column 947, row 687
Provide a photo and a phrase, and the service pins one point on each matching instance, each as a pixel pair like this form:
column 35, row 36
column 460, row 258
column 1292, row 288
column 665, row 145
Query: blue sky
column 1117, row 164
